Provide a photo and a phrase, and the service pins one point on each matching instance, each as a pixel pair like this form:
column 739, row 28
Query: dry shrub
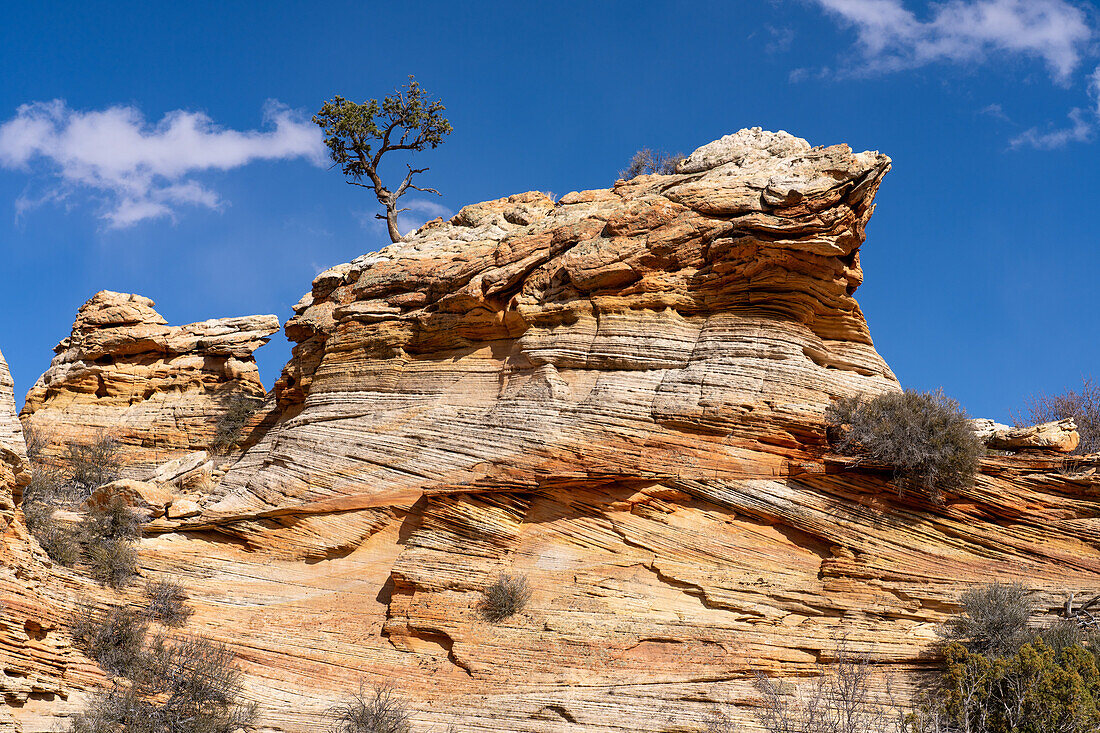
column 719, row 721
column 108, row 533
column 168, row 602
column 1066, row 633
column 507, row 596
column 1083, row 407
column 91, row 465
column 377, row 710
column 840, row 700
column 239, row 409
column 647, row 160
column 113, row 637
column 924, row 436
column 994, row 619
column 186, row 686
column 114, row 520
column 112, row 562
column 60, row 540
column 48, row 486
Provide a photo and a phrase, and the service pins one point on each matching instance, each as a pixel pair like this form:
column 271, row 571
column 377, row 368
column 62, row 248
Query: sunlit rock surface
column 619, row 394
column 157, row 389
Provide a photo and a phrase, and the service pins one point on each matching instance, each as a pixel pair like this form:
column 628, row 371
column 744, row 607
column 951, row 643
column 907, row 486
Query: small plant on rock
column 994, row 619
column 108, row 532
column 239, row 409
column 59, row 539
column 113, row 637
column 1083, row 407
column 168, row 602
column 113, row 520
column 507, row 596
column 377, row 710
column 112, row 562
column 842, row 699
column 647, row 160
column 181, row 686
column 91, row 465
column 924, row 436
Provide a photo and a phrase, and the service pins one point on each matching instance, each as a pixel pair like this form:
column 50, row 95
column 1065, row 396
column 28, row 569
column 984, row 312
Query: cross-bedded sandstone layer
column 38, row 667
column 619, row 394
column 157, row 389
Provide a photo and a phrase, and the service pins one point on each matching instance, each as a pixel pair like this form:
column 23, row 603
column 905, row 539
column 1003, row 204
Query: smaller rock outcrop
column 1060, row 436
column 13, row 454
column 156, row 389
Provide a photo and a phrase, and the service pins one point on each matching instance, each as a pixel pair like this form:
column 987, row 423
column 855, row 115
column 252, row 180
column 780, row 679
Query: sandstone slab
column 1060, row 436
column 145, row 496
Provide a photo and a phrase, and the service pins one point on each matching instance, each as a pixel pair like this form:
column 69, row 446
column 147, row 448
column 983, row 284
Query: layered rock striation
column 621, row 396
column 38, row 668
column 157, row 389
column 665, row 327
column 13, row 451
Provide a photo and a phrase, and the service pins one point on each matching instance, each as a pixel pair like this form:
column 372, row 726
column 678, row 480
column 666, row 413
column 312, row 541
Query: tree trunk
column 391, row 223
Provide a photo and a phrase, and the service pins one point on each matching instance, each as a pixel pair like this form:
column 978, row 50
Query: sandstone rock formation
column 39, row 668
column 13, row 451
column 157, row 389
column 1060, row 436
column 621, row 395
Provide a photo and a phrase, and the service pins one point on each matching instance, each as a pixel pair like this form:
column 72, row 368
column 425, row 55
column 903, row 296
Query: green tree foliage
column 1034, row 690
column 358, row 135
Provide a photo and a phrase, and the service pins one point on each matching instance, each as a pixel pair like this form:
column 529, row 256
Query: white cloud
column 141, row 171
column 1080, row 131
column 1094, row 89
column 892, row 37
column 419, row 212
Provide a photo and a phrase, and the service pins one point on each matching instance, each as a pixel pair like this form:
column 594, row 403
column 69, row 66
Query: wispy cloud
column 892, row 37
column 139, row 170
column 995, row 111
column 419, row 212
column 1082, row 127
column 1080, row 130
column 1056, row 32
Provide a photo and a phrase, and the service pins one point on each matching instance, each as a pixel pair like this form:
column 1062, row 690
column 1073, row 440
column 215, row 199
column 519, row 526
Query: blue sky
column 164, row 149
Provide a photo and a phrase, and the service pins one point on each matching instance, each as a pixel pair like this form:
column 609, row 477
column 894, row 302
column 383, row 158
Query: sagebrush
column 114, row 637
column 374, row 710
column 923, row 436
column 91, row 465
column 994, row 618
column 506, row 596
column 239, row 409
column 187, row 685
column 60, row 540
column 167, row 602
column 648, row 160
column 108, row 532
